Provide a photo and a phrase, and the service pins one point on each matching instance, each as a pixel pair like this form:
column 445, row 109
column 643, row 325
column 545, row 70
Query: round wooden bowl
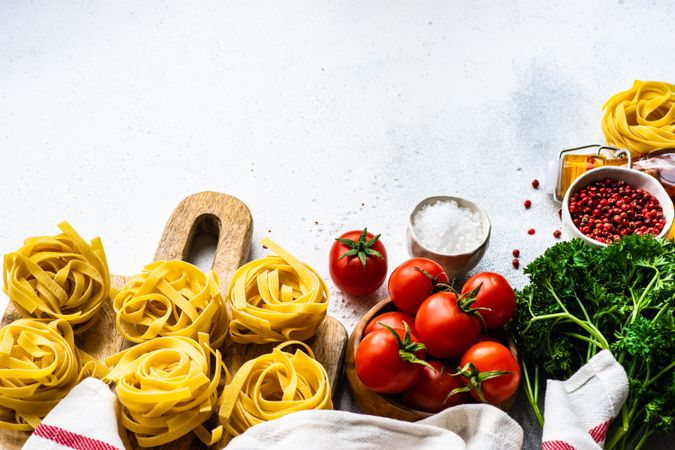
column 387, row 405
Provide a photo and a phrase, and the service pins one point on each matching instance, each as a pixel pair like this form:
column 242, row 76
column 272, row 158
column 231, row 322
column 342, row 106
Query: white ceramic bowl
column 456, row 264
column 630, row 176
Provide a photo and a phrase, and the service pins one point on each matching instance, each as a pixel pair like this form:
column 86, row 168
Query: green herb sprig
column 582, row 300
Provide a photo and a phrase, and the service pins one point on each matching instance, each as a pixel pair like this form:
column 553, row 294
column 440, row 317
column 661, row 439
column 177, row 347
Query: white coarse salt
column 445, row 227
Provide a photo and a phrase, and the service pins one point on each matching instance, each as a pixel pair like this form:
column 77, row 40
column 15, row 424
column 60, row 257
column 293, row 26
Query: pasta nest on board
column 276, row 298
column 273, row 385
column 58, row 277
column 39, row 365
column 167, row 388
column 171, row 298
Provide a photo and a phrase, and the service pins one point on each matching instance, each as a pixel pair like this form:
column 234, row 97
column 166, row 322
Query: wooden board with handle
column 230, row 220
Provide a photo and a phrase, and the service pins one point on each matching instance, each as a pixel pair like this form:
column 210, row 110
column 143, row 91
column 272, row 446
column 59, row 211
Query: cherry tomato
column 409, row 286
column 380, row 365
column 394, row 319
column 496, row 294
column 430, row 392
column 358, row 262
column 445, row 327
column 481, row 366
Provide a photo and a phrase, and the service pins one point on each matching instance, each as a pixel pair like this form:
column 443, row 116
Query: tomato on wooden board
column 494, row 293
column 490, row 372
column 394, row 319
column 447, row 325
column 358, row 262
column 431, row 391
column 413, row 281
column 389, row 361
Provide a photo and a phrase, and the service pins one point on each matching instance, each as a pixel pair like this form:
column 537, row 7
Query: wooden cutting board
column 230, row 220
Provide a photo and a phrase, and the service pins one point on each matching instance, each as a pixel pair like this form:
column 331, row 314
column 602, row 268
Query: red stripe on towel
column 599, row 433
column 556, row 445
column 70, row 439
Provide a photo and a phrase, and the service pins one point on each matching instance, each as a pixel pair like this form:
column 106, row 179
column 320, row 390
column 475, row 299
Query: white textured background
column 321, row 116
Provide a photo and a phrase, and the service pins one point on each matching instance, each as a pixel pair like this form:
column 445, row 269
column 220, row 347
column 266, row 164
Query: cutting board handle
column 215, row 213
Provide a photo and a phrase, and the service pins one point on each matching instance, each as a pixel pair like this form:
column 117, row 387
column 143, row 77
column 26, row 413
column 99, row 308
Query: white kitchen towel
column 465, row 427
column 83, row 420
column 578, row 412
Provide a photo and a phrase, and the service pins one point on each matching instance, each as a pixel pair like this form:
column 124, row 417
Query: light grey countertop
column 321, row 116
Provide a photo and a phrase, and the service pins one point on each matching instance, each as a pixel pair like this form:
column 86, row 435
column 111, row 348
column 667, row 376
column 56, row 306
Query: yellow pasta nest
column 642, row 118
column 276, row 298
column 38, row 367
column 273, row 385
column 58, row 277
column 167, row 388
column 171, row 298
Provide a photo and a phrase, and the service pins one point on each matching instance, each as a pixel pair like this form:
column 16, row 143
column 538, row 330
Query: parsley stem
column 658, row 314
column 660, row 374
column 585, row 325
column 616, row 437
column 642, row 441
column 593, row 342
column 532, row 397
column 590, row 351
column 583, row 309
column 639, row 307
column 536, row 388
column 555, row 296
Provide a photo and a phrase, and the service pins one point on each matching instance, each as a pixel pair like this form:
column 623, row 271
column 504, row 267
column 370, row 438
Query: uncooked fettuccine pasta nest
column 39, row 365
column 642, row 118
column 273, row 385
column 167, row 388
column 171, row 298
column 276, row 298
column 58, row 277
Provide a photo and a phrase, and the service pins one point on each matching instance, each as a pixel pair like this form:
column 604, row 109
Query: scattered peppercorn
column 527, row 204
column 515, row 252
column 535, row 183
column 530, row 231
column 557, row 234
column 515, row 263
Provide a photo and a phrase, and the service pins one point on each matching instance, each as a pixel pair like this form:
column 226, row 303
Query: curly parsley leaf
column 581, row 300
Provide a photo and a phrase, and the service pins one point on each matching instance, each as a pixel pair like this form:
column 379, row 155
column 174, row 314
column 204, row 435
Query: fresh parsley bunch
column 582, row 300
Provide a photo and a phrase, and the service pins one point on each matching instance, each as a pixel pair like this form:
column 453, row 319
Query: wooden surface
column 382, row 404
column 229, row 219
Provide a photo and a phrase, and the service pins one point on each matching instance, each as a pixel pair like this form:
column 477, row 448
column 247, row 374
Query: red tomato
column 444, row 327
column 430, row 392
column 358, row 263
column 496, row 294
column 380, row 366
column 394, row 319
column 485, row 357
column 409, row 286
